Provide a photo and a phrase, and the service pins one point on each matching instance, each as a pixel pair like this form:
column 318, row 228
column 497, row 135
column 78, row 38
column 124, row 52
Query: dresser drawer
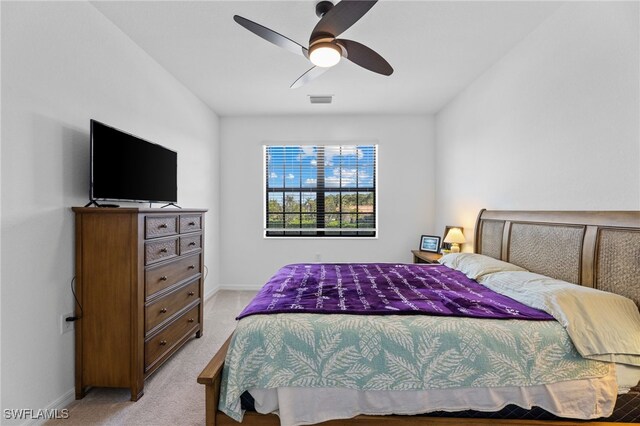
column 160, row 226
column 157, row 250
column 161, row 277
column 190, row 243
column 164, row 308
column 190, row 223
column 168, row 338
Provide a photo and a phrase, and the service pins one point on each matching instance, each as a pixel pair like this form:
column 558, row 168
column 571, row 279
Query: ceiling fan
column 325, row 49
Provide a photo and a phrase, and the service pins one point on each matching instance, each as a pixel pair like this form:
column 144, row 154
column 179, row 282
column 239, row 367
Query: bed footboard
column 211, row 377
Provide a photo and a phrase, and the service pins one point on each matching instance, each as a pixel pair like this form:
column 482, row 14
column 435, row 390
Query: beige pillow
column 476, row 265
column 603, row 326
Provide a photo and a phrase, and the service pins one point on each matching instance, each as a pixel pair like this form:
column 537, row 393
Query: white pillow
column 476, row 265
column 450, row 259
column 603, row 326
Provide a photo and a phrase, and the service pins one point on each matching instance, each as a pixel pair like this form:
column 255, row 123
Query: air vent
column 320, row 99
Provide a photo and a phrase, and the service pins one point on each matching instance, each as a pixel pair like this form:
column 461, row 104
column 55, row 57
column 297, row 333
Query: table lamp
column 455, row 237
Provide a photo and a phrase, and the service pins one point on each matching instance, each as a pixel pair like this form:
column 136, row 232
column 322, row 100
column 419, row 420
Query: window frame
column 345, row 233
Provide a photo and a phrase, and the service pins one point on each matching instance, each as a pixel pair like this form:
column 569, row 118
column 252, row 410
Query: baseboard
column 216, row 289
column 241, row 287
column 208, row 295
column 55, row 407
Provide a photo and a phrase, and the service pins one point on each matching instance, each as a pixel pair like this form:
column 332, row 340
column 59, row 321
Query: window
column 320, row 191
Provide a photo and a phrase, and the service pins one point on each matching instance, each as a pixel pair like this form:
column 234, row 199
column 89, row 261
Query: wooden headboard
column 599, row 249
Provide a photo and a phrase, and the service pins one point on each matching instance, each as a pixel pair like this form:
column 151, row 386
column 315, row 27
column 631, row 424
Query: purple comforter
column 383, row 288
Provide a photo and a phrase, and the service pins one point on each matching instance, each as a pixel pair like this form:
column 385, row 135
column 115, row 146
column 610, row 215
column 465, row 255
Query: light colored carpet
column 171, row 395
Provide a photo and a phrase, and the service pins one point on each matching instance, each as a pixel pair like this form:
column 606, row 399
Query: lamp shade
column 454, row 236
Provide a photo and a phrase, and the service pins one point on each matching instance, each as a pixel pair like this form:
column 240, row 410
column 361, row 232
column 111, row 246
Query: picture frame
column 447, row 246
column 430, row 243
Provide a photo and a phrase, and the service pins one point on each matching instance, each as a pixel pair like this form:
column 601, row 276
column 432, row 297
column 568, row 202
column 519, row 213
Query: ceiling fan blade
column 340, row 17
column 367, row 58
column 311, row 74
column 272, row 36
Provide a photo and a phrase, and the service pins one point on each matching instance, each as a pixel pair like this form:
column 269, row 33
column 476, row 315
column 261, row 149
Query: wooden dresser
column 139, row 282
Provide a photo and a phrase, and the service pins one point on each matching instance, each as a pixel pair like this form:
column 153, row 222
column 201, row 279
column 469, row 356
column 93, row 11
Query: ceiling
column 436, row 48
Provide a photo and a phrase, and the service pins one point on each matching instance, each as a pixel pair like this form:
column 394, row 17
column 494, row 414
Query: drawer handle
column 190, row 320
column 192, row 243
column 192, row 224
column 163, row 342
column 163, row 310
column 163, row 278
column 163, row 250
column 192, row 267
column 162, row 225
column 191, row 293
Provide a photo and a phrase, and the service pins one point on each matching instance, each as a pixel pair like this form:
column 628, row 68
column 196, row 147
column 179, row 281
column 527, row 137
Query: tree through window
column 315, row 190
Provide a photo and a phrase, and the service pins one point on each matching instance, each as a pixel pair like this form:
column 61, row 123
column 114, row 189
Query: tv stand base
column 94, row 202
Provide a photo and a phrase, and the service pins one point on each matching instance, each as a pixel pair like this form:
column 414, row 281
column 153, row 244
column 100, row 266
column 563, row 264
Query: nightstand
column 425, row 256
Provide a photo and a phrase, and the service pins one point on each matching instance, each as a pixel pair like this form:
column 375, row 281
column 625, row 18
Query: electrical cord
column 75, row 318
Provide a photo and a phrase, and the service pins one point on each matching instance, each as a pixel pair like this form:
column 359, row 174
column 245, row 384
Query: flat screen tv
column 127, row 168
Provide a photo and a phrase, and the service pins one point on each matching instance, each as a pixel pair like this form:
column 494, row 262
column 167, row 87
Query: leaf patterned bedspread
column 396, row 353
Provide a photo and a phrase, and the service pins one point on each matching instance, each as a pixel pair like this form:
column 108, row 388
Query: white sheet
column 580, row 399
column 628, row 376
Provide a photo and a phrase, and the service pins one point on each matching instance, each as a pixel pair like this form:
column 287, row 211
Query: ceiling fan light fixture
column 325, row 48
column 325, row 54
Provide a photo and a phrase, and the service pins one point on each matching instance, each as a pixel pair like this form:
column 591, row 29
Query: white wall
column 554, row 125
column 405, row 191
column 62, row 64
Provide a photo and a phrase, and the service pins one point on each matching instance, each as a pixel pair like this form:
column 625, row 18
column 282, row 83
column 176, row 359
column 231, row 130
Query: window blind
column 320, row 190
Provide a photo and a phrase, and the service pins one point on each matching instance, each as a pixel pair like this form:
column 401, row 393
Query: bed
column 598, row 250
